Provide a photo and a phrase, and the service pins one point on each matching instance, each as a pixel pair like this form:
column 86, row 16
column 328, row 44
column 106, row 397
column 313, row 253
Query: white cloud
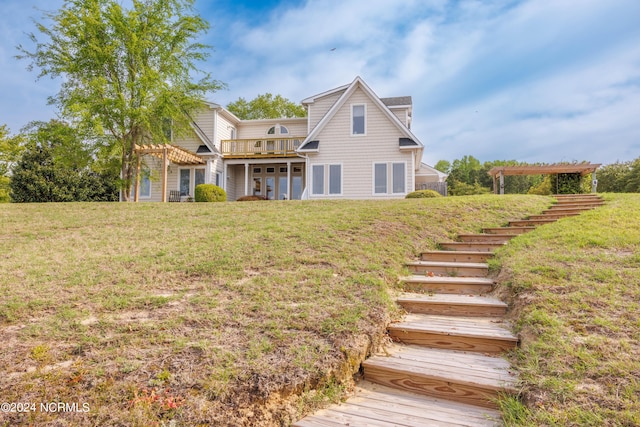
column 524, row 80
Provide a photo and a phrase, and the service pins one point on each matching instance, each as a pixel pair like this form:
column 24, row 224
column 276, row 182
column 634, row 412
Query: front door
column 270, row 181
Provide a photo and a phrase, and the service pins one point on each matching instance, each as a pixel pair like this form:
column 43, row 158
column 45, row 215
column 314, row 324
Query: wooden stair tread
column 450, row 264
column 454, row 256
column 455, row 325
column 452, row 299
column 506, row 230
column 471, row 369
column 486, row 237
column 398, row 407
column 472, row 246
column 448, row 279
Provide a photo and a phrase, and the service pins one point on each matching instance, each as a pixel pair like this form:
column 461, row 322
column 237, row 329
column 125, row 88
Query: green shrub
column 542, row 189
column 422, row 194
column 209, row 193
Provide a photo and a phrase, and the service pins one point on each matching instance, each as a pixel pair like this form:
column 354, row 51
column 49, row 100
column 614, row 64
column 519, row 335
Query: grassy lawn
column 575, row 290
column 232, row 314
column 225, row 314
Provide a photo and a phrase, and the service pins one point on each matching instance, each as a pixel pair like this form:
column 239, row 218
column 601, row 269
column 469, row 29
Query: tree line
column 469, row 176
column 130, row 77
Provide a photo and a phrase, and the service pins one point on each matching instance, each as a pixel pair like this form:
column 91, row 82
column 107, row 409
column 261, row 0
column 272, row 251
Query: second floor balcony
column 260, row 148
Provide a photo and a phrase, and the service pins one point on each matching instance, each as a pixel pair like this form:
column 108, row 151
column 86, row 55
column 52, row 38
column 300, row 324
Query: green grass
column 574, row 288
column 256, row 313
column 230, row 313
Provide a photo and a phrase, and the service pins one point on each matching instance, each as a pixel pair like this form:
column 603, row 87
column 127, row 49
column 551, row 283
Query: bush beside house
column 209, row 193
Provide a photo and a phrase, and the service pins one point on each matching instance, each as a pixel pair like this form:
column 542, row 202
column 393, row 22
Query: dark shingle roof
column 203, row 149
column 396, row 100
column 407, row 142
column 311, row 145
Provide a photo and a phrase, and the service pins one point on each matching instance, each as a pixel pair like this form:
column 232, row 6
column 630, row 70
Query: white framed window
column 317, row 179
column 380, row 178
column 145, row 184
column 398, row 178
column 326, row 179
column 144, row 190
column 335, row 179
column 188, row 179
column 184, row 181
column 389, row 178
column 278, row 130
column 358, row 119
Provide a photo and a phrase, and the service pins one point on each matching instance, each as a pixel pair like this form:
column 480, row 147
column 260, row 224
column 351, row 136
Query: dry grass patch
column 207, row 314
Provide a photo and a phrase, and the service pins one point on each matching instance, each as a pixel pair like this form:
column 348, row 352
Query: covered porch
column 268, row 178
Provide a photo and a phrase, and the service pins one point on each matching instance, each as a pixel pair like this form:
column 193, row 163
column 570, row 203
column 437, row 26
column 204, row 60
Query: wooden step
column 454, row 269
column 530, row 222
column 482, row 335
column 578, row 204
column 471, row 246
column 577, row 196
column 452, row 305
column 553, row 216
column 553, row 209
column 447, row 285
column 378, row 405
column 484, row 237
column 508, row 230
column 471, row 378
column 456, row 256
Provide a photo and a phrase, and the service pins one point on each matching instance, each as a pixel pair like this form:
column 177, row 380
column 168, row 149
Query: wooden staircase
column 444, row 367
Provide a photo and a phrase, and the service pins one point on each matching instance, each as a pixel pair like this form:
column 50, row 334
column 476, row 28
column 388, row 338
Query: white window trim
column 365, row 120
column 192, row 179
column 328, row 174
column 324, row 178
column 326, row 170
column 389, row 191
column 150, row 186
column 404, row 177
column 373, row 178
column 277, row 130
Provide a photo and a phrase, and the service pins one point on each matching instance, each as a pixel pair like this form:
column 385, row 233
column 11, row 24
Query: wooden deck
column 378, row 405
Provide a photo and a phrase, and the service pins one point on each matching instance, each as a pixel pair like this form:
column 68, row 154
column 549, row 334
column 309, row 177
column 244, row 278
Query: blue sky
column 534, row 81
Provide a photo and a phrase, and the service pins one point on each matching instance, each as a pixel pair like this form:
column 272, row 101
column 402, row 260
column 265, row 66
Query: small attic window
column 282, row 130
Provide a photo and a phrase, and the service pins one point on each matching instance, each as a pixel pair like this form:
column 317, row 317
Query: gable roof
column 350, row 89
column 397, row 101
column 313, row 98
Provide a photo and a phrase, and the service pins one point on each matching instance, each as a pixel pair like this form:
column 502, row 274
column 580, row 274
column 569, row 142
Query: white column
column 289, row 180
column 501, row 183
column 246, row 179
column 225, row 174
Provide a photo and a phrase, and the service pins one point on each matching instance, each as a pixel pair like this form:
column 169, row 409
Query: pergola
column 499, row 172
column 168, row 153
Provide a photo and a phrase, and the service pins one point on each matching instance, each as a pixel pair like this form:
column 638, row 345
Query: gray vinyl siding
column 357, row 154
column 320, row 107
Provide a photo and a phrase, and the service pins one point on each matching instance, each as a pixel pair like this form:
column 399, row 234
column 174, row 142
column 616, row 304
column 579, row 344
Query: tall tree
column 127, row 72
column 266, row 107
column 57, row 165
column 443, row 166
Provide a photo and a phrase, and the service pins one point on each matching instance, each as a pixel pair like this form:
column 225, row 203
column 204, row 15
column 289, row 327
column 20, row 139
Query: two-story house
column 351, row 145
